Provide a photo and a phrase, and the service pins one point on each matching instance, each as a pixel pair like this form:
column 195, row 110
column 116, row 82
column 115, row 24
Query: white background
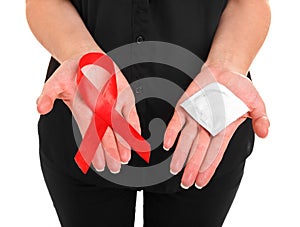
column 269, row 193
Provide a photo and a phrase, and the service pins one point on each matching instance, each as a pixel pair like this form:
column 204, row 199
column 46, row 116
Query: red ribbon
column 103, row 104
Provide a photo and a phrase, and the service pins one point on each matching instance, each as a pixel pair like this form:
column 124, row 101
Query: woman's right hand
column 113, row 150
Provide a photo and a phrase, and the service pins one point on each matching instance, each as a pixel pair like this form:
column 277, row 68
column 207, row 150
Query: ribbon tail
column 88, row 147
column 131, row 136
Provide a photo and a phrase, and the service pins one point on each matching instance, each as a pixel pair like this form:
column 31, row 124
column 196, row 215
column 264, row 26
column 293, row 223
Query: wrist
column 76, row 54
column 219, row 68
column 218, row 71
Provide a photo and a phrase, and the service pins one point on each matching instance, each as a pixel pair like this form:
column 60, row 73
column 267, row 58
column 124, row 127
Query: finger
column 173, row 128
column 50, row 92
column 126, row 107
column 130, row 114
column 215, row 154
column 124, row 149
column 196, row 158
column 259, row 117
column 185, row 141
column 99, row 159
column 111, row 151
column 81, row 112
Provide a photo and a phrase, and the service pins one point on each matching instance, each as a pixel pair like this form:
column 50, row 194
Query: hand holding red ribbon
column 96, row 112
column 105, row 115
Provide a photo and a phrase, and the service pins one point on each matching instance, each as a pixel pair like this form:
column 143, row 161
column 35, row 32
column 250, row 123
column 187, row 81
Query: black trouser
column 79, row 204
column 91, row 201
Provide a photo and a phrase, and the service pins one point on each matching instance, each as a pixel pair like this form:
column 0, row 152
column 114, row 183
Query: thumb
column 44, row 104
column 260, row 121
column 261, row 126
column 49, row 94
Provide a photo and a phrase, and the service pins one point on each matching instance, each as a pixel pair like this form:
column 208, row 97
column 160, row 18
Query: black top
column 190, row 24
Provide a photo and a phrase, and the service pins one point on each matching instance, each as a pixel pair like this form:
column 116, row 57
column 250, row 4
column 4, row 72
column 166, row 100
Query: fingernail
column 166, row 149
column 167, row 143
column 197, row 186
column 184, row 187
column 172, row 172
column 115, row 172
column 99, row 170
column 175, row 167
column 125, row 159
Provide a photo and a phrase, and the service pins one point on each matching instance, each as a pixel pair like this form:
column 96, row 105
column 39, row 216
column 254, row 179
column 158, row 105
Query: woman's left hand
column 202, row 151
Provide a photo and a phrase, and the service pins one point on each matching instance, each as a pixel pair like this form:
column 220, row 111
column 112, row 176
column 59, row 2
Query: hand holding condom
column 202, row 147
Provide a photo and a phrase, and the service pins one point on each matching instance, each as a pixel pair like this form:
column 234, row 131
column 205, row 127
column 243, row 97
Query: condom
column 214, row 107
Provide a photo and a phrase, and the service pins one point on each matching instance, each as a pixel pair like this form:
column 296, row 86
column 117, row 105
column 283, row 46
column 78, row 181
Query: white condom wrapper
column 214, row 107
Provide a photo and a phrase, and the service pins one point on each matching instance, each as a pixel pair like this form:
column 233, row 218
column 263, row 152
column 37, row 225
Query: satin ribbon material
column 103, row 105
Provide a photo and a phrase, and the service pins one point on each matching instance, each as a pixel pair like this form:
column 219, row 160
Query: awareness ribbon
column 103, row 104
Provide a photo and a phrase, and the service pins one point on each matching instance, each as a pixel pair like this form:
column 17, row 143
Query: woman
column 226, row 35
